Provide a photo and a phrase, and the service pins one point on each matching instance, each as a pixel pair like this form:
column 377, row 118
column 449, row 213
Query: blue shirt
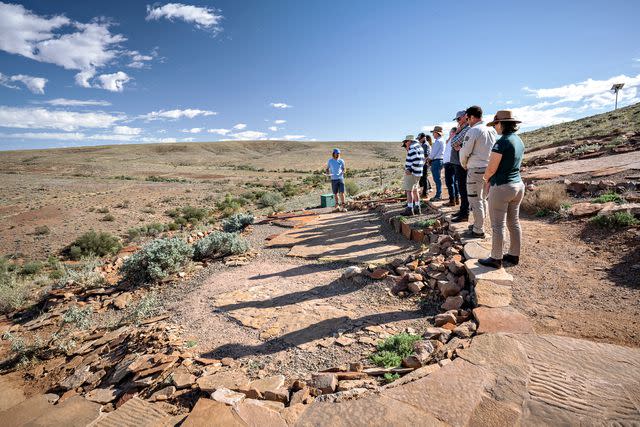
column 437, row 150
column 336, row 168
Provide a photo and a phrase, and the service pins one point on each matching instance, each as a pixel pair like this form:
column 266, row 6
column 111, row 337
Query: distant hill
column 601, row 126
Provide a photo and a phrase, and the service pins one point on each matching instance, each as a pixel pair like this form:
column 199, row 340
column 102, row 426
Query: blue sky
column 96, row 72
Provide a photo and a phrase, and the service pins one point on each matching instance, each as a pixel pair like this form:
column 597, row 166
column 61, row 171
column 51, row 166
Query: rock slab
column 501, row 319
column 490, row 294
column 480, row 272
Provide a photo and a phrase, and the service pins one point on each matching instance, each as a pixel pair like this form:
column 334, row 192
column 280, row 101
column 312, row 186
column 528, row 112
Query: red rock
column 417, row 236
column 453, row 303
column 379, row 273
column 414, row 277
column 326, row 383
column 585, row 209
column 501, row 319
column 449, row 326
column 406, row 230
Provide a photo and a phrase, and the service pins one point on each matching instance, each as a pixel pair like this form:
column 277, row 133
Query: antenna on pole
column 616, row 88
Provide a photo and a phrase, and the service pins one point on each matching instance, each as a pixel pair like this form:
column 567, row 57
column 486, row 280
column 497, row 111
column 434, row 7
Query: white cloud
column 219, row 131
column 80, row 136
column 202, row 17
column 63, row 102
column 139, row 60
column 280, row 105
column 126, row 130
column 176, row 114
column 34, row 84
column 42, row 118
column 113, row 82
column 294, row 137
column 279, row 122
column 273, row 128
column 240, row 126
column 192, row 130
column 249, row 135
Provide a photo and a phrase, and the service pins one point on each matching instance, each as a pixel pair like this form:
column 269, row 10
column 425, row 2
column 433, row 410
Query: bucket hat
column 437, row 129
column 407, row 138
column 503, row 116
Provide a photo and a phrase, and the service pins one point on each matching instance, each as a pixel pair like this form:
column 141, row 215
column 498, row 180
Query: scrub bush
column 219, row 244
column 237, row 222
column 156, row 260
column 270, row 199
column 94, row 244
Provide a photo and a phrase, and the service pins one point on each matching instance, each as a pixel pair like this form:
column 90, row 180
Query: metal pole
column 616, row 100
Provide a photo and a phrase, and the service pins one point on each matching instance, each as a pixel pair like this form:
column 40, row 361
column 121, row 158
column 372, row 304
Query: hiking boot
column 461, row 218
column 417, row 210
column 490, row 262
column 511, row 259
column 456, row 200
column 407, row 211
column 451, row 203
column 472, row 233
column 435, row 199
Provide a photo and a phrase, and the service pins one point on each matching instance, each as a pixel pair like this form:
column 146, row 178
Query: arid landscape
column 302, row 296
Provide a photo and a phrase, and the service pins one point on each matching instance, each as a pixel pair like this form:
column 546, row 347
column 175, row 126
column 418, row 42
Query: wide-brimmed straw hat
column 407, row 138
column 503, row 116
column 437, row 129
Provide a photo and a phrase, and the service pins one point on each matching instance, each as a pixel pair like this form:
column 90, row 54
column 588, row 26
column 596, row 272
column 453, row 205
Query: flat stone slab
column 600, row 166
column 25, row 411
column 74, row 412
column 477, row 249
column 480, row 272
column 501, row 319
column 491, row 294
column 134, row 413
column 354, row 237
column 209, row 413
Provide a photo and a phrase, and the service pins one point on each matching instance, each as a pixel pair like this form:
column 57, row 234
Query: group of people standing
column 482, row 175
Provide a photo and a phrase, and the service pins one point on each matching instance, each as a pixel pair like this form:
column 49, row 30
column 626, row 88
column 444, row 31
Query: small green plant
column 188, row 215
column 403, row 219
column 289, row 189
column 391, row 351
column 152, row 229
column 545, row 199
column 124, row 177
column 13, row 292
column 42, row 230
column 94, row 244
column 565, row 206
column 154, row 178
column 608, row 197
column 84, row 274
column 31, row 268
column 191, row 343
column 146, row 307
column 219, row 244
column 80, row 317
column 389, row 377
column 617, row 220
column 586, row 148
column 108, row 218
column 541, row 213
column 123, row 205
column 425, row 223
column 270, row 199
column 156, row 260
column 102, row 210
column 230, row 205
column 351, row 188
column 237, row 222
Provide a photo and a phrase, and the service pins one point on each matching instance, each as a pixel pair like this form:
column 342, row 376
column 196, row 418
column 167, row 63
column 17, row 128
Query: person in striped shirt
column 412, row 173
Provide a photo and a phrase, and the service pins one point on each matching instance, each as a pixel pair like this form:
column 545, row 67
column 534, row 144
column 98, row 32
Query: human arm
column 492, row 167
column 344, row 168
column 467, row 148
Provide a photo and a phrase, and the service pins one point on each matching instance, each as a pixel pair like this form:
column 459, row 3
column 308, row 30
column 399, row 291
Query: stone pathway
column 355, row 237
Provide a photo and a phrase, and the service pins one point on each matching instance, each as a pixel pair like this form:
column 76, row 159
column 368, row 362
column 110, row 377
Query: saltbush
column 237, row 222
column 230, row 205
column 94, row 244
column 188, row 215
column 156, row 260
column 219, row 244
column 84, row 274
column 351, row 188
column 13, row 292
column 270, row 199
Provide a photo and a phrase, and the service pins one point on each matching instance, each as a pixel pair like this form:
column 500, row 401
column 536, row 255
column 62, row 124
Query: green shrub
column 94, row 244
column 545, row 199
column 188, row 215
column 156, row 260
column 84, row 274
column 289, row 189
column 146, row 307
column 42, row 230
column 351, row 188
column 31, row 268
column 219, row 244
column 391, row 351
column 154, row 178
column 108, row 218
column 389, row 377
column 152, row 229
column 425, row 223
column 230, row 205
column 237, row 222
column 270, row 199
column 608, row 197
column 617, row 220
column 314, row 180
column 13, row 292
column 102, row 210
column 80, row 317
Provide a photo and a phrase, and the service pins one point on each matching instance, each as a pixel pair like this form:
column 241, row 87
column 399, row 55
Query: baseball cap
column 336, row 151
column 459, row 114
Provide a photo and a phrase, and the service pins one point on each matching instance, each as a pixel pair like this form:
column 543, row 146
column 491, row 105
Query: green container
column 327, row 200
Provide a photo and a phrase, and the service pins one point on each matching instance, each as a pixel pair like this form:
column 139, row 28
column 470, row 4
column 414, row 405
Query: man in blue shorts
column 336, row 169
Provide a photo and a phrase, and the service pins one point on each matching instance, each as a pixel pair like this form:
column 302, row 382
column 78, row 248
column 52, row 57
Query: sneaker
column 460, row 219
column 471, row 233
column 407, row 211
column 511, row 259
column 344, row 209
column 490, row 262
column 417, row 210
column 435, row 199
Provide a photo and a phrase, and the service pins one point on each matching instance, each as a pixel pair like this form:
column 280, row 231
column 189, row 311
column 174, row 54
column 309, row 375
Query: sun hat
column 459, row 114
column 421, row 134
column 503, row 116
column 407, row 138
column 336, row 151
column 437, row 129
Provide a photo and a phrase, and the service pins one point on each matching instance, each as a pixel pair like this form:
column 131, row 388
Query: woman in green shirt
column 506, row 189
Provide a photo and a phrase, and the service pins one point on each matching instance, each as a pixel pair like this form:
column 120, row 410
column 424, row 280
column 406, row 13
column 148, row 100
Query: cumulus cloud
column 113, row 82
column 84, row 47
column 34, row 84
column 176, row 114
column 219, row 131
column 273, row 128
column 139, row 60
column 240, row 126
column 279, row 122
column 64, row 102
column 81, row 136
column 281, row 105
column 294, row 137
column 42, row 118
column 202, row 17
column 192, row 130
column 249, row 135
column 126, row 130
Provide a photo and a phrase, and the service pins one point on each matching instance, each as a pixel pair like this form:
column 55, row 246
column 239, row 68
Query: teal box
column 327, row 200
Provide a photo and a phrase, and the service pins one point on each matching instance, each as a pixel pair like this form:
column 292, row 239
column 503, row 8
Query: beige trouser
column 477, row 198
column 504, row 208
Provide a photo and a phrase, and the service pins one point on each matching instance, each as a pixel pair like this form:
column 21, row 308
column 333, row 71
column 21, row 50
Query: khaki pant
column 477, row 198
column 504, row 208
